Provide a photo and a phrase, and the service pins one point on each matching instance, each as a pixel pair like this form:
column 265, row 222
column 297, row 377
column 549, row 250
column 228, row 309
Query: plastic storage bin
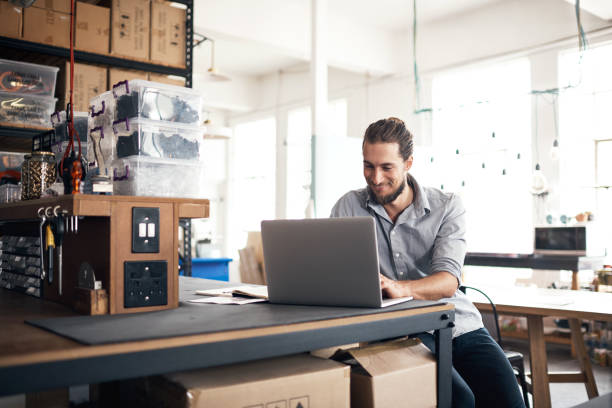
column 211, row 268
column 152, row 100
column 26, row 109
column 144, row 137
column 10, row 193
column 58, row 120
column 25, row 78
column 149, row 176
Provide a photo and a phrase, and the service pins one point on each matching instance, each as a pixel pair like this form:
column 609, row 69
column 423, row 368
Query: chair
column 514, row 357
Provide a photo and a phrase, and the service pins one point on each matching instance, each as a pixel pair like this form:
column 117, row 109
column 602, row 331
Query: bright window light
column 481, row 124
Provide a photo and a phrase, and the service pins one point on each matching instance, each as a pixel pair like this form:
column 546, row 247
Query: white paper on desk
column 227, row 300
column 258, row 291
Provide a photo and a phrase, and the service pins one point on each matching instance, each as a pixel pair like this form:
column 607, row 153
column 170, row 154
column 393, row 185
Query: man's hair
column 391, row 130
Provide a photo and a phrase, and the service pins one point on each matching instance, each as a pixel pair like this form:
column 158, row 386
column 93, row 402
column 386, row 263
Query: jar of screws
column 38, row 173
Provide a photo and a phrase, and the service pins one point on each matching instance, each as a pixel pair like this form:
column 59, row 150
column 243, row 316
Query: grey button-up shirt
column 427, row 237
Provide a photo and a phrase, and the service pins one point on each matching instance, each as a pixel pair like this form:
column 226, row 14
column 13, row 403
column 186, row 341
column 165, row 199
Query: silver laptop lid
column 327, row 261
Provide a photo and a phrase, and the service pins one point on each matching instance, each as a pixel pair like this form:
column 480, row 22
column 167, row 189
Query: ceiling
column 255, row 38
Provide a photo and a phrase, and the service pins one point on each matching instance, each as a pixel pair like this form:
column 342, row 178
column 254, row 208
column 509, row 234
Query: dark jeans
column 482, row 375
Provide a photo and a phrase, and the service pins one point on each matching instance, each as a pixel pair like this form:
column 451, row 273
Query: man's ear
column 408, row 164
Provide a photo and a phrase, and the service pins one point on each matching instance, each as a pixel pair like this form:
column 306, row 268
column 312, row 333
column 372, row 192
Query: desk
column 32, row 359
column 534, row 304
column 570, row 262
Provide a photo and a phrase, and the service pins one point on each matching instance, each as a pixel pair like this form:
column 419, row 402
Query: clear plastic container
column 58, row 120
column 100, row 150
column 26, row 109
column 148, row 176
column 10, row 193
column 152, row 100
column 144, row 137
column 24, row 78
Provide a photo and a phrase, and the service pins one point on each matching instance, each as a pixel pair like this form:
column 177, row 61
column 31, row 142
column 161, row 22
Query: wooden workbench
column 104, row 239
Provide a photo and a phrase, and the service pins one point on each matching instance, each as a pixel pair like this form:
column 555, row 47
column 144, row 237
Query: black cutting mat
column 191, row 318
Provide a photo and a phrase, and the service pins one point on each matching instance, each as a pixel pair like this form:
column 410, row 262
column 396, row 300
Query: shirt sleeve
column 344, row 207
column 450, row 245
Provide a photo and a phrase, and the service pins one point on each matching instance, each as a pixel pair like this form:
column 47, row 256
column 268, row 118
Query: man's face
column 385, row 170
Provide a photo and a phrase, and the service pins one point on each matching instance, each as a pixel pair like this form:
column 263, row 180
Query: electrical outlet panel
column 145, row 230
column 146, row 283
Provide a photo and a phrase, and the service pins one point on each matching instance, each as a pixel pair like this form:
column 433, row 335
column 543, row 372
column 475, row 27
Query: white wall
column 538, row 29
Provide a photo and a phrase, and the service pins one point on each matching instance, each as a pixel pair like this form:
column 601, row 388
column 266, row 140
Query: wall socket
column 145, row 283
column 145, row 230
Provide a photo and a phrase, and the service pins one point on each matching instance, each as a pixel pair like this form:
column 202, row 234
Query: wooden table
column 534, row 304
column 33, row 359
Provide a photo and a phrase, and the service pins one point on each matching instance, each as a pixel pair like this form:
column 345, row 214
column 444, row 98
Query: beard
column 389, row 198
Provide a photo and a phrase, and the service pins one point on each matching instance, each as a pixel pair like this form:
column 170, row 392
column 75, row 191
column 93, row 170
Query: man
column 421, row 242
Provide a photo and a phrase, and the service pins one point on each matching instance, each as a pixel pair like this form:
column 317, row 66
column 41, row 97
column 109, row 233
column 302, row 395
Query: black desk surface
column 32, row 359
column 534, row 261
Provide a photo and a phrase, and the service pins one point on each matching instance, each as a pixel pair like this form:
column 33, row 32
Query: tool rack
column 107, row 239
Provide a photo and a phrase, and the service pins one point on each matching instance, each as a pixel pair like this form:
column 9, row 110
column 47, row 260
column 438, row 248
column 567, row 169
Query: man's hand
column 393, row 289
column 435, row 287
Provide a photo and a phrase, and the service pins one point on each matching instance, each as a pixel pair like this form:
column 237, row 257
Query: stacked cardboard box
column 92, row 28
column 11, row 19
column 130, row 26
column 167, row 35
column 89, row 81
column 48, row 22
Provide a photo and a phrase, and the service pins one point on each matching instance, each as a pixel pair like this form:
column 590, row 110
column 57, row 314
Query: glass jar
column 38, row 173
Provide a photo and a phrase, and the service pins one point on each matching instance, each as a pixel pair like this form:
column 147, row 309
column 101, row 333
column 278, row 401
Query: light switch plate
column 145, row 230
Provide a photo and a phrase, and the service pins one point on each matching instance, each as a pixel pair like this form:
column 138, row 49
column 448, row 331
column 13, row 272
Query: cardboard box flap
column 256, row 371
column 385, row 358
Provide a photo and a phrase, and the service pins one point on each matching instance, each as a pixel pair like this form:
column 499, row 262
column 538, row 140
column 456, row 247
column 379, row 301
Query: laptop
column 326, row 261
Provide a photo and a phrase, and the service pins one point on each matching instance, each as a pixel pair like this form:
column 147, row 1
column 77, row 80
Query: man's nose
column 377, row 176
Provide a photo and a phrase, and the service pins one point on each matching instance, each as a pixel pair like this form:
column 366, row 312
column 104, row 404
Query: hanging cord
column 69, row 109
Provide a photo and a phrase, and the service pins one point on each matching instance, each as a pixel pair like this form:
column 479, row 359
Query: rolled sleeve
column 450, row 245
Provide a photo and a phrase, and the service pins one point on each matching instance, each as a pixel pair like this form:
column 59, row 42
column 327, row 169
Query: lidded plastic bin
column 152, row 100
column 25, row 78
column 58, row 120
column 155, row 177
column 100, row 150
column 26, row 109
column 144, row 137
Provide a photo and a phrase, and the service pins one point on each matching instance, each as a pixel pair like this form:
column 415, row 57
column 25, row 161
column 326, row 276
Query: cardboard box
column 92, row 29
column 294, row 381
column 89, row 81
column 399, row 373
column 130, row 21
column 11, row 20
column 46, row 26
column 166, row 79
column 117, row 75
column 168, row 35
column 63, row 6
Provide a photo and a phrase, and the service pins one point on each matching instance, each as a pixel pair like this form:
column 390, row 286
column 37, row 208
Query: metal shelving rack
column 14, row 45
column 17, row 138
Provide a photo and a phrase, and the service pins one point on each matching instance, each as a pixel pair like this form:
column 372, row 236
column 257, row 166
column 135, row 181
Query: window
column 339, row 163
column 481, row 149
column 585, row 103
column 253, row 180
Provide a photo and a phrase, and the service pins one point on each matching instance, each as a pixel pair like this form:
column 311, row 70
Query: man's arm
column 435, row 287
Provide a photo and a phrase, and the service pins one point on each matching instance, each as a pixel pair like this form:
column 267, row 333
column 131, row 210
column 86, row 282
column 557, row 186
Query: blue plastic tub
column 211, row 268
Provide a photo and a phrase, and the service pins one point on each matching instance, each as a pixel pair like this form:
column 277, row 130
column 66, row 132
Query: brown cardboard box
column 63, row 6
column 89, row 81
column 167, row 35
column 92, row 28
column 399, row 373
column 279, row 382
column 46, row 26
column 11, row 20
column 166, row 79
column 130, row 21
column 117, row 75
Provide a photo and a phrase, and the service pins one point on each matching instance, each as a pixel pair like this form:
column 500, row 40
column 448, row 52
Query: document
column 226, row 300
column 250, row 291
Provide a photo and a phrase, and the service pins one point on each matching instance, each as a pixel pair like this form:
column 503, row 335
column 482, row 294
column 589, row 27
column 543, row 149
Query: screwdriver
column 50, row 245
